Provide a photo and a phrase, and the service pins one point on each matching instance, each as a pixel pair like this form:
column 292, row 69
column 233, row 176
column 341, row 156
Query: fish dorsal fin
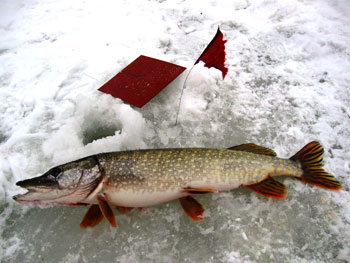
column 107, row 211
column 270, row 188
column 192, row 208
column 92, row 217
column 253, row 148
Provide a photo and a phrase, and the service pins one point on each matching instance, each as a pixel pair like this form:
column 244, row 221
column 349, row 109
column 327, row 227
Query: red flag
column 214, row 55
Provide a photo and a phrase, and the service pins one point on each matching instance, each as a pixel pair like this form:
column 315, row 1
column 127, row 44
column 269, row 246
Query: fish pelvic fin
column 270, row 188
column 192, row 208
column 310, row 158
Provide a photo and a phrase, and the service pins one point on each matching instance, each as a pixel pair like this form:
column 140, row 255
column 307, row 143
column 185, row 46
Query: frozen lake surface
column 288, row 84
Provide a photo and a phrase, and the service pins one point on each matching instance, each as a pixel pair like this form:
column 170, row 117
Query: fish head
column 69, row 183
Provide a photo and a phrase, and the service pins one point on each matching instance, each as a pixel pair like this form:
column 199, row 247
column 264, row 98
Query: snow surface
column 288, row 84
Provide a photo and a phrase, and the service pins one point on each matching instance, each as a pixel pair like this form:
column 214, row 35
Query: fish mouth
column 27, row 197
column 40, row 189
column 35, row 196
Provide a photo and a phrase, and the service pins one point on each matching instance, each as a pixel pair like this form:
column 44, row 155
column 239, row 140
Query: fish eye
column 55, row 171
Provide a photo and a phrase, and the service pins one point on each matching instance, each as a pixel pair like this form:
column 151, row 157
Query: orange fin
column 253, row 148
column 92, row 217
column 197, row 191
column 311, row 157
column 320, row 178
column 123, row 210
column 270, row 188
column 107, row 211
column 192, row 208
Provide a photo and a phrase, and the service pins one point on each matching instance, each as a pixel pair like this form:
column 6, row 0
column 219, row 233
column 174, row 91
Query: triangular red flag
column 214, row 55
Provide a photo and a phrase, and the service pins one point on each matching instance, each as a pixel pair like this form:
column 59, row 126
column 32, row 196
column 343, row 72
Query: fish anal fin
column 123, row 210
column 92, row 217
column 253, row 148
column 270, row 188
column 192, row 208
column 196, row 191
column 106, row 211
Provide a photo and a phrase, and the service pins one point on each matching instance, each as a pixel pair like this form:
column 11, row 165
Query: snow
column 287, row 84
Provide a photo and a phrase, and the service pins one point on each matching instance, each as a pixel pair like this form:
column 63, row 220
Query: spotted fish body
column 143, row 178
column 148, row 177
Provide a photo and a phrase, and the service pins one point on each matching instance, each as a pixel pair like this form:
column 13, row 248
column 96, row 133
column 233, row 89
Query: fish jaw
column 41, row 190
column 48, row 197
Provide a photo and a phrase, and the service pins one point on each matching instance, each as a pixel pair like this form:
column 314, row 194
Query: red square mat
column 141, row 80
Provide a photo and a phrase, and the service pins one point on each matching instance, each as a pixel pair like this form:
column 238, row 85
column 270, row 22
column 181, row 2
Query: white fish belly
column 130, row 198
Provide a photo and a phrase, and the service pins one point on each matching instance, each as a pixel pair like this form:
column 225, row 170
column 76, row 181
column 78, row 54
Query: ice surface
column 288, row 84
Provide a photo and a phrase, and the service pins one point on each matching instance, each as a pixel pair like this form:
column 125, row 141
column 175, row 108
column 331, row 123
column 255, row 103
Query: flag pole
column 182, row 91
column 213, row 56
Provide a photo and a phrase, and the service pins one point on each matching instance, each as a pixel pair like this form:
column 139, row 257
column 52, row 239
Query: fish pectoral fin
column 107, row 211
column 270, row 188
column 253, row 148
column 92, row 217
column 197, row 191
column 192, row 208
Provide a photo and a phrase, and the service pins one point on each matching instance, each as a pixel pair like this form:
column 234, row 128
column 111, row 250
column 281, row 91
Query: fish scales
column 169, row 169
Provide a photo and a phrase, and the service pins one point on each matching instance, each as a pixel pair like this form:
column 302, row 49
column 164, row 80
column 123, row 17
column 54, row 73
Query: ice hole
column 96, row 131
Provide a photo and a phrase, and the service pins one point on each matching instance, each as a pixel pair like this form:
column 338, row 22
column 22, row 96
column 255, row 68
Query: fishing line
column 182, row 91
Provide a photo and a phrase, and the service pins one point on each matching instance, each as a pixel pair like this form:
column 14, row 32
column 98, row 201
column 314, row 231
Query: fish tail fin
column 310, row 158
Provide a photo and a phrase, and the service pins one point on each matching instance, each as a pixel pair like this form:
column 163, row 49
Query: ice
column 287, row 84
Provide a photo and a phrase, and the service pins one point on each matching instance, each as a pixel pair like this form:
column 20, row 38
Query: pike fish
column 141, row 178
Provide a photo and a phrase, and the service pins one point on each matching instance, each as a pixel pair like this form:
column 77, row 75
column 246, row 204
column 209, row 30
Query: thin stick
column 182, row 91
column 90, row 76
